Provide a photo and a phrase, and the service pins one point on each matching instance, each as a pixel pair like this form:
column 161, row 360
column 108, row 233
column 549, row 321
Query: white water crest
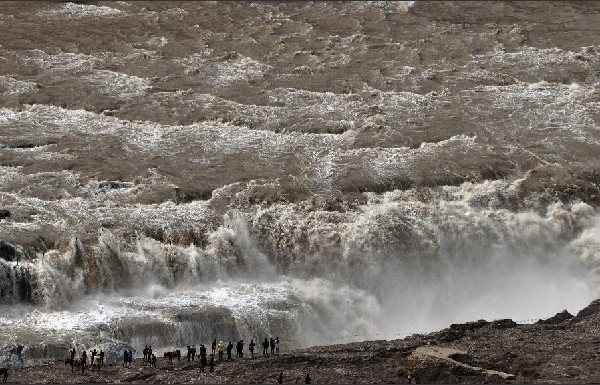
column 395, row 266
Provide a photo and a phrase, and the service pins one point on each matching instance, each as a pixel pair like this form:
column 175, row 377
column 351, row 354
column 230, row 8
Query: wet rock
column 12, row 356
column 112, row 184
column 24, row 284
column 113, row 350
column 7, row 251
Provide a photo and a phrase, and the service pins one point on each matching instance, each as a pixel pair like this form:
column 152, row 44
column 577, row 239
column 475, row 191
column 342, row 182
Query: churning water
column 323, row 172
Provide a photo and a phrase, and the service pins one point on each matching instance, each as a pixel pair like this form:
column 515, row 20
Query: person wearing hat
column 221, row 349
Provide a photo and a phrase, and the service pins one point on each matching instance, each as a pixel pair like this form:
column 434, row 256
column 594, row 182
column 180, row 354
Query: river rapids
column 323, row 172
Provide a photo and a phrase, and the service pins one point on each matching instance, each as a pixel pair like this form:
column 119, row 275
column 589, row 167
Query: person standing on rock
column 130, row 358
column 277, row 345
column 229, row 349
column 251, row 348
column 265, row 346
column 272, row 343
column 202, row 359
column 410, row 375
column 221, row 349
column 125, row 358
column 20, row 350
column 153, row 362
column 101, row 355
column 214, row 346
column 95, row 363
column 193, row 352
column 72, row 353
column 83, row 360
column 211, row 363
column 189, row 353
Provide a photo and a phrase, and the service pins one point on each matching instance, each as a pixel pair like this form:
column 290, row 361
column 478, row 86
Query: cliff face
column 561, row 349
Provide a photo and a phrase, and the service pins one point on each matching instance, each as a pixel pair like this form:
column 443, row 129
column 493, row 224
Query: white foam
column 387, row 6
column 242, row 68
column 17, row 87
column 158, row 41
column 253, row 305
column 560, row 108
column 63, row 61
column 118, row 84
column 80, row 11
column 535, row 57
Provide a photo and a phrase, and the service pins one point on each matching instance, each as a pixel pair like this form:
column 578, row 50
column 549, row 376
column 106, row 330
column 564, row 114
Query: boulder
column 556, row 319
column 7, row 251
column 504, row 324
column 587, row 311
column 457, row 331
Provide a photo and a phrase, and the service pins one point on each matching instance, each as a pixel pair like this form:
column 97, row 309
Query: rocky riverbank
column 561, row 349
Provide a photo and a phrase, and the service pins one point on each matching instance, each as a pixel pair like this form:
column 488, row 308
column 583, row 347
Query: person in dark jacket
column 265, row 346
column 202, row 357
column 202, row 362
column 83, row 360
column 229, row 349
column 211, row 363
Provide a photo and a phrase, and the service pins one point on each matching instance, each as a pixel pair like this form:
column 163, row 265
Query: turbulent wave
column 404, row 261
column 324, row 172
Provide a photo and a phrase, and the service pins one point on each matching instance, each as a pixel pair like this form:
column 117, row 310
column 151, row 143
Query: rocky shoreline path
column 561, row 349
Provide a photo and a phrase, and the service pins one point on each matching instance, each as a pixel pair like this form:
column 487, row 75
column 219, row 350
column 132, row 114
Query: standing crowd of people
column 219, row 349
column 96, row 360
column 270, row 348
